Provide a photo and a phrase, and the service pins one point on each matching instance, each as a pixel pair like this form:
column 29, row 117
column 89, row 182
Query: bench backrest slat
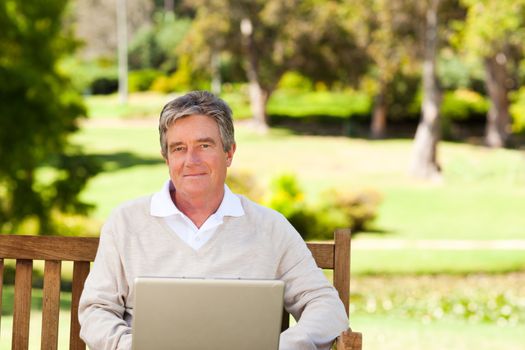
column 48, row 248
column 51, row 304
column 80, row 273
column 1, row 287
column 22, row 309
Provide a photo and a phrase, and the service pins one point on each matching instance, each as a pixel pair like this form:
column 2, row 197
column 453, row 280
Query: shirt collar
column 162, row 205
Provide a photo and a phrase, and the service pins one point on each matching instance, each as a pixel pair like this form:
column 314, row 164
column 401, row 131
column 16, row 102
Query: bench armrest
column 349, row 340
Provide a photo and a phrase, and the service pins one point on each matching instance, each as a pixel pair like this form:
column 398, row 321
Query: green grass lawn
column 421, row 261
column 397, row 333
column 482, row 195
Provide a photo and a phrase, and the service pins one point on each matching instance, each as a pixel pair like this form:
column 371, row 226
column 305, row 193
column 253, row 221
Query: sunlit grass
column 481, row 196
column 397, row 333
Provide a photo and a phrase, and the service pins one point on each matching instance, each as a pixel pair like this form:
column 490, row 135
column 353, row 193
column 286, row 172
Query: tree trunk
column 258, row 95
column 169, row 6
column 379, row 115
column 258, row 101
column 122, row 34
column 498, row 119
column 424, row 162
column 216, row 81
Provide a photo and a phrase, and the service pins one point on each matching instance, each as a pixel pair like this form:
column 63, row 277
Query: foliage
column 463, row 104
column 475, row 298
column 278, row 36
column 96, row 24
column 456, row 72
column 288, row 198
column 490, row 26
column 244, row 183
column 295, row 81
column 84, row 72
column 104, row 85
column 342, row 104
column 517, row 111
column 355, row 210
column 154, row 46
column 141, row 80
column 337, row 210
column 181, row 80
column 39, row 110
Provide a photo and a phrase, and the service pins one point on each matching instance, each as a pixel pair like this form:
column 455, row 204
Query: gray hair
column 197, row 103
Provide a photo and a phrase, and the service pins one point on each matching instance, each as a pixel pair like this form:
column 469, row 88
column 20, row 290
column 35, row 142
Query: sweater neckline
column 164, row 225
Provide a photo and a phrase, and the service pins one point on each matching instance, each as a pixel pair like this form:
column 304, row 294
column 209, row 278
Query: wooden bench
column 81, row 251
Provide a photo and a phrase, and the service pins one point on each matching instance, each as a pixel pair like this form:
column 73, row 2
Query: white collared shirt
column 163, row 206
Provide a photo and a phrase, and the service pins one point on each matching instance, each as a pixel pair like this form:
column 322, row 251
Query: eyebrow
column 201, row 140
column 207, row 140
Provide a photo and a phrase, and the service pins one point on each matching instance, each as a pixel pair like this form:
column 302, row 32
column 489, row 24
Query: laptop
column 220, row 314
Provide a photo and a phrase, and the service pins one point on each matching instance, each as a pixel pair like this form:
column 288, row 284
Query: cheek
column 173, row 164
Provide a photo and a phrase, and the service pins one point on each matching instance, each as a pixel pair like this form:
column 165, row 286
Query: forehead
column 193, row 127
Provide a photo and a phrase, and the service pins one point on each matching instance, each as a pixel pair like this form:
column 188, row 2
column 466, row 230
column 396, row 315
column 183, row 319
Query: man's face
column 196, row 158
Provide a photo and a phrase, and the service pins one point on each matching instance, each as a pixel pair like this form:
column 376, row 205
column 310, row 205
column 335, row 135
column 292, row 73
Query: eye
column 205, row 145
column 178, row 149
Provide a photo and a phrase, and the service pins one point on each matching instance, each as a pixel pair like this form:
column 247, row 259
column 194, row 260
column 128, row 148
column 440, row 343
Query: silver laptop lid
column 200, row 314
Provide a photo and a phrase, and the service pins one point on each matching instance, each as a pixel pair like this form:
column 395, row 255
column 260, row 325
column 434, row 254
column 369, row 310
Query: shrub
column 517, row 111
column 244, row 183
column 287, row 197
column 141, row 80
column 154, row 45
column 295, row 81
column 104, row 86
column 337, row 209
column 348, row 103
column 183, row 79
column 463, row 104
column 354, row 210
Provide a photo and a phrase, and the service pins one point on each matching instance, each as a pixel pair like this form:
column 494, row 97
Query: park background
column 404, row 120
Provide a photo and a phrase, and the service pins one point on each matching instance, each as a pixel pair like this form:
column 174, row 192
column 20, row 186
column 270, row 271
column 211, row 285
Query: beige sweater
column 260, row 244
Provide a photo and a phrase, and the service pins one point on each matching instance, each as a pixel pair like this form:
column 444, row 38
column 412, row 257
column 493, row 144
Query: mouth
column 194, row 175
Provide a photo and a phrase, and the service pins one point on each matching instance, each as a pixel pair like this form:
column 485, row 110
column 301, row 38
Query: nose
column 193, row 157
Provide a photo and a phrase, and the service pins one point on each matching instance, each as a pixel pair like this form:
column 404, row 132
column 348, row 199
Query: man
column 196, row 227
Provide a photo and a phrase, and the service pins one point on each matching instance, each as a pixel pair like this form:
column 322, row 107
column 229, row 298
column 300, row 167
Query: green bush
column 154, row 45
column 517, row 111
column 87, row 75
column 463, row 104
column 336, row 210
column 141, row 80
column 183, row 79
column 104, row 86
column 244, row 183
column 342, row 104
column 287, row 197
column 296, row 82
column 354, row 210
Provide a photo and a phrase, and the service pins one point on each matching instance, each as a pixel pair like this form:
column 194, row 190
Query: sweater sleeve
column 102, row 308
column 310, row 298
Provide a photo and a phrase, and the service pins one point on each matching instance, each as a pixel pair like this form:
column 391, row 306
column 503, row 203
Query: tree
column 38, row 111
column 273, row 37
column 388, row 33
column 96, row 24
column 424, row 161
column 494, row 33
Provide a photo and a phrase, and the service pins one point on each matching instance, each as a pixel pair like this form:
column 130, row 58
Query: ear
column 165, row 158
column 229, row 154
